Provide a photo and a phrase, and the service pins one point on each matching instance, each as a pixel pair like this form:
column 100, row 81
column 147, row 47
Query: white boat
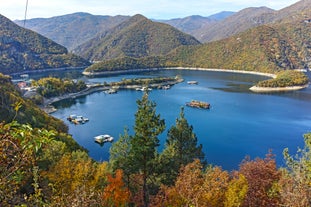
column 144, row 89
column 103, row 138
column 166, row 87
column 77, row 119
column 192, row 82
column 111, row 91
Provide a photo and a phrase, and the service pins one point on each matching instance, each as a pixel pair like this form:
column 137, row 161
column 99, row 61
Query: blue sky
column 156, row 9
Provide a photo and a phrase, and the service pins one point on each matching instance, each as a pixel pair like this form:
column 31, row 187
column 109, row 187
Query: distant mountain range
column 73, row 29
column 252, row 39
column 281, row 40
column 22, row 49
column 136, row 37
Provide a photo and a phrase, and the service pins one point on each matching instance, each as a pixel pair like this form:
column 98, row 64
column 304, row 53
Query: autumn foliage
column 40, row 168
column 115, row 193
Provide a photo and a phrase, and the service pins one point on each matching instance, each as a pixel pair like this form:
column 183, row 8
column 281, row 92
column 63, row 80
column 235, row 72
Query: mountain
column 250, row 18
column 284, row 43
column 22, row 49
column 196, row 24
column 236, row 23
column 221, row 15
column 73, row 29
column 297, row 11
column 191, row 24
column 136, row 37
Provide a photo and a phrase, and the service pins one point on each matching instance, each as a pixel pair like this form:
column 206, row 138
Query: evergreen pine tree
column 144, row 143
column 181, row 148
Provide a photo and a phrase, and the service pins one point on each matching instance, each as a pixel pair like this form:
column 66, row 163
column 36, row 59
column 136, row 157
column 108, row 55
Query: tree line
column 40, row 167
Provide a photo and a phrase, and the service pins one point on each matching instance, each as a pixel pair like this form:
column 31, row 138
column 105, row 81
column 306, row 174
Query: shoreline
column 177, row 68
column 277, row 89
column 48, row 108
column 46, row 70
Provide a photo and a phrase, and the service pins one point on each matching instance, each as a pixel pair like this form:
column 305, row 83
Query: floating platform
column 198, row 104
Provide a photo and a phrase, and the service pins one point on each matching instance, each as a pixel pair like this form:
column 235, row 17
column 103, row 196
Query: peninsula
column 288, row 80
column 130, row 84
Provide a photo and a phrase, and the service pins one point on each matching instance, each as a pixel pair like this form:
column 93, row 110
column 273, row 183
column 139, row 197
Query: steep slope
column 137, row 37
column 22, row 49
column 191, row 24
column 252, row 17
column 28, row 112
column 236, row 23
column 221, row 15
column 73, row 29
column 195, row 25
column 297, row 11
column 266, row 48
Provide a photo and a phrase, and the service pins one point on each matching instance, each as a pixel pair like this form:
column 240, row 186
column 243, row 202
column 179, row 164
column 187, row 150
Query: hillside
column 136, row 37
column 195, row 24
column 297, row 11
column 28, row 112
column 266, row 48
column 236, row 23
column 249, row 18
column 22, row 49
column 73, row 29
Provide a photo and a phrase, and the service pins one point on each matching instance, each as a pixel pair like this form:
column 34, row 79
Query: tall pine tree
column 144, row 143
column 181, row 148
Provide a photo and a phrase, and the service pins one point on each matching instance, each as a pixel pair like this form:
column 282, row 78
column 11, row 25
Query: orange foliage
column 115, row 194
column 262, row 176
column 193, row 187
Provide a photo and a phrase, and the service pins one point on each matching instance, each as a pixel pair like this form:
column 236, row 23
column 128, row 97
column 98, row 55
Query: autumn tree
column 76, row 180
column 262, row 177
column 236, row 191
column 295, row 182
column 187, row 190
column 144, row 143
column 181, row 148
column 115, row 193
column 19, row 147
column 195, row 187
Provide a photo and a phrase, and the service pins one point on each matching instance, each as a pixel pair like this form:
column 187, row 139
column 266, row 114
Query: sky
column 153, row 9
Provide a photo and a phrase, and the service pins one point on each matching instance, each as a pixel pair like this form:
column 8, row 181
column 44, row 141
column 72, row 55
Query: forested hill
column 22, row 49
column 266, row 48
column 249, row 18
column 14, row 107
column 236, row 23
column 72, row 30
column 137, row 37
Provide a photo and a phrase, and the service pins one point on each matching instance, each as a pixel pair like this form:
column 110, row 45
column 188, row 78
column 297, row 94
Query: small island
column 198, row 104
column 287, row 80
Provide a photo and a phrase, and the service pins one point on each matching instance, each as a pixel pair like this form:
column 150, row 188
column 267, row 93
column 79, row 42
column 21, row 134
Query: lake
column 239, row 123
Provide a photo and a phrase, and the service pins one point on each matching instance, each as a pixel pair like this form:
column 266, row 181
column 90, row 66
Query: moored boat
column 111, row 91
column 103, row 138
column 77, row 119
column 192, row 82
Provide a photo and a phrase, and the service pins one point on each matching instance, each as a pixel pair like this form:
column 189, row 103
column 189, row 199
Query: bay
column 240, row 123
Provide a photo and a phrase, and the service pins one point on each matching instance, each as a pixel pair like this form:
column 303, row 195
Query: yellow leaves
column 236, row 191
column 69, row 174
column 214, row 186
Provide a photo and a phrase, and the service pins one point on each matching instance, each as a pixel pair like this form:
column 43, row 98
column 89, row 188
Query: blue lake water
column 239, row 122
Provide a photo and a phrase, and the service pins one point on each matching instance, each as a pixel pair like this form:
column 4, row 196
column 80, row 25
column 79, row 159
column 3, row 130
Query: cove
column 239, row 123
